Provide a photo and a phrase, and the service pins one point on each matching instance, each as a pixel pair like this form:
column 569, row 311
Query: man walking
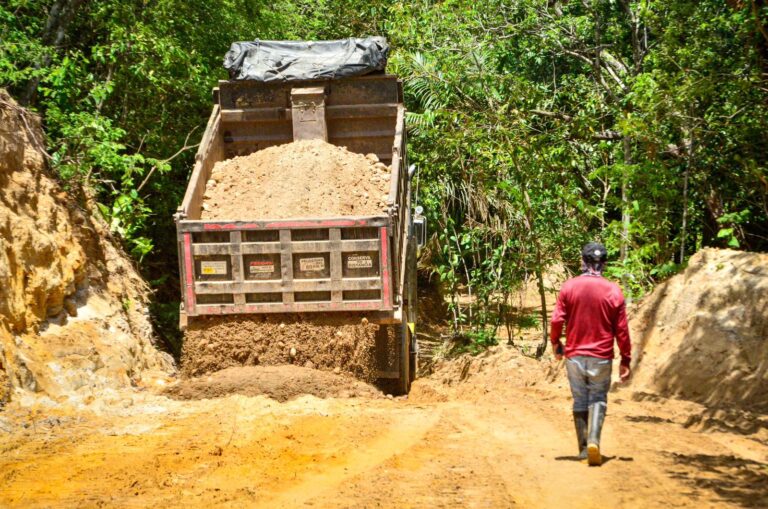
column 592, row 309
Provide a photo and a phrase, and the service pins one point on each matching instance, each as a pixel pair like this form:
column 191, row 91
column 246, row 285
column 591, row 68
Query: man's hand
column 558, row 350
column 625, row 373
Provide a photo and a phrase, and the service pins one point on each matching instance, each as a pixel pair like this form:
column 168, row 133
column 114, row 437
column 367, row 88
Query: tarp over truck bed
column 267, row 61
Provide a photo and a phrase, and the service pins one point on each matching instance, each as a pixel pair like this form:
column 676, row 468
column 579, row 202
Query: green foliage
column 735, row 219
column 165, row 316
column 124, row 91
column 531, row 140
column 474, row 341
column 528, row 321
column 91, row 156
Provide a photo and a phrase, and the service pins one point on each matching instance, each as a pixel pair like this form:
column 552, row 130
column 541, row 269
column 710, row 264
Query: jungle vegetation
column 536, row 125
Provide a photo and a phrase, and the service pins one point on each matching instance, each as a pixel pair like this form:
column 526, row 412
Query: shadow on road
column 647, row 418
column 606, row 459
column 736, row 480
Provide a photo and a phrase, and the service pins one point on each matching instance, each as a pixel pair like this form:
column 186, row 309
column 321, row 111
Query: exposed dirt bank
column 73, row 310
column 703, row 334
column 301, row 179
column 281, row 383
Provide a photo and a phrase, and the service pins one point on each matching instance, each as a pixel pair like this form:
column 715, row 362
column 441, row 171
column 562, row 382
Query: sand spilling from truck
column 309, row 178
column 337, row 342
column 281, row 383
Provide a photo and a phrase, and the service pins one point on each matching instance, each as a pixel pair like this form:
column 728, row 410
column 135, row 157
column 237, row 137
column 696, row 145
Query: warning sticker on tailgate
column 261, row 267
column 359, row 262
column 211, row 268
column 312, row 264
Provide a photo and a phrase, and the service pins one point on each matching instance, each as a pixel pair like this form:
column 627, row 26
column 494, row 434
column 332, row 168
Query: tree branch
column 552, row 114
column 608, row 135
column 174, row 156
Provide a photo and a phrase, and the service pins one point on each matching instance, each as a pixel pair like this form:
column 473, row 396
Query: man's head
column 593, row 257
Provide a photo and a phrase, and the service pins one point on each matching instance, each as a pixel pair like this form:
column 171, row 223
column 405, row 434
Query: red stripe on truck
column 189, row 279
column 315, row 224
column 216, row 309
column 386, row 296
column 330, row 223
column 231, row 226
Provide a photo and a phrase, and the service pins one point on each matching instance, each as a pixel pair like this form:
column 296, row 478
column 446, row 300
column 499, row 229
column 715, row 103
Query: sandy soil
column 493, row 439
column 299, row 179
column 340, row 342
column 281, row 383
column 703, row 334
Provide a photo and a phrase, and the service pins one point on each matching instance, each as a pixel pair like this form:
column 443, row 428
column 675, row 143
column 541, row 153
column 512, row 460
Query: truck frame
column 355, row 264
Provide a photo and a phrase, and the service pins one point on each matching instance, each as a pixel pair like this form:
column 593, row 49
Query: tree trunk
column 544, row 313
column 59, row 18
column 684, row 225
column 625, row 216
column 539, row 270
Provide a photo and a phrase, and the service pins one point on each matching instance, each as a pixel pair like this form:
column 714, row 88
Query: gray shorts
column 590, row 379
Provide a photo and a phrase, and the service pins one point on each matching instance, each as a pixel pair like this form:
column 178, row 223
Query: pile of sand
column 476, row 377
column 703, row 334
column 332, row 342
column 281, row 383
column 309, row 178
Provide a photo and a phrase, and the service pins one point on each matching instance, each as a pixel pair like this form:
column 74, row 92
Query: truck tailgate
column 282, row 266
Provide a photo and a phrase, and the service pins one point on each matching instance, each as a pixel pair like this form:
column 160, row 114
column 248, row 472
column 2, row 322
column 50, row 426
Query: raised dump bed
column 299, row 264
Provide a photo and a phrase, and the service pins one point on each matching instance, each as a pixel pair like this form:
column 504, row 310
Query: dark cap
column 594, row 252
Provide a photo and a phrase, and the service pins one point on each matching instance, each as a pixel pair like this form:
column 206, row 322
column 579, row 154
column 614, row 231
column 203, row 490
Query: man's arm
column 621, row 331
column 559, row 316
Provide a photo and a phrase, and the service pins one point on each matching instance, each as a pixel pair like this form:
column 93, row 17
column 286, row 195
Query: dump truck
column 259, row 265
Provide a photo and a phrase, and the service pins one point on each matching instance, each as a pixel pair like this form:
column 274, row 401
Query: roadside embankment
column 73, row 310
column 702, row 335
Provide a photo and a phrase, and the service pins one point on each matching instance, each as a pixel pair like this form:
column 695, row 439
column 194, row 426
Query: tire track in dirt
column 653, row 463
column 401, row 435
column 443, row 470
column 519, row 451
column 538, row 450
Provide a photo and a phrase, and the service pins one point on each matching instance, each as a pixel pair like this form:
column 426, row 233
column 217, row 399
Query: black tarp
column 303, row 60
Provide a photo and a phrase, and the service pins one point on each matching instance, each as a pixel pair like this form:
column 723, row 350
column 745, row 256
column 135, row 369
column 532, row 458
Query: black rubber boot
column 580, row 423
column 596, row 419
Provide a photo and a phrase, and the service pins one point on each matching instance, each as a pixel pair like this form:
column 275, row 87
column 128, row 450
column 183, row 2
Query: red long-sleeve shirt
column 593, row 311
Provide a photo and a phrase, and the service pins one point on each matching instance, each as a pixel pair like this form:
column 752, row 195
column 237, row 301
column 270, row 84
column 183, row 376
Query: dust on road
column 507, row 443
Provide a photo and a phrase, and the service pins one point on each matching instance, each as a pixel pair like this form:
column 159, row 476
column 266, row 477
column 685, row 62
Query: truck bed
column 303, row 264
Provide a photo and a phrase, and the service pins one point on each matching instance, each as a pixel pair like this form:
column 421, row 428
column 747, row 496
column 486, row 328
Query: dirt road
column 500, row 446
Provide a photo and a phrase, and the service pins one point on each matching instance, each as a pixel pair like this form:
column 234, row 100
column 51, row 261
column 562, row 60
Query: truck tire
column 406, row 373
column 413, row 305
column 409, row 350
